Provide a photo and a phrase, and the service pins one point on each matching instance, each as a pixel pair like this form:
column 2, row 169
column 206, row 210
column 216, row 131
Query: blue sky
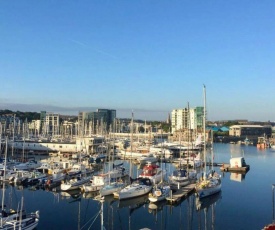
column 147, row 56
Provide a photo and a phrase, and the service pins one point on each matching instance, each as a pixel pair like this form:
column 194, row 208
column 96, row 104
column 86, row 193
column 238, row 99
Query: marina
column 245, row 201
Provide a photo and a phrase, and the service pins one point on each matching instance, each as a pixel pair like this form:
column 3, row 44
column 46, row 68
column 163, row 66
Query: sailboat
column 211, row 181
column 13, row 220
column 139, row 186
column 161, row 190
column 75, row 183
column 182, row 177
column 114, row 186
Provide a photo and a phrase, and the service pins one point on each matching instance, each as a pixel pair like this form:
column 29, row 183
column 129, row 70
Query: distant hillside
column 21, row 115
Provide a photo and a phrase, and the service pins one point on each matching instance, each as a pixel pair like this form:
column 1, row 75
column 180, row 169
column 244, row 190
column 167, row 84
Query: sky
column 149, row 57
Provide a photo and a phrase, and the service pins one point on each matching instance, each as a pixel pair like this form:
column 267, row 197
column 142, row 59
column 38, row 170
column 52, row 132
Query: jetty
column 236, row 164
column 228, row 168
column 182, row 192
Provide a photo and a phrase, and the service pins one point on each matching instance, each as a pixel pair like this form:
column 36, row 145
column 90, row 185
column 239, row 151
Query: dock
column 182, row 192
column 227, row 168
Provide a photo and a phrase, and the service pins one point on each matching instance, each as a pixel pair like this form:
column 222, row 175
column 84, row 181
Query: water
column 241, row 205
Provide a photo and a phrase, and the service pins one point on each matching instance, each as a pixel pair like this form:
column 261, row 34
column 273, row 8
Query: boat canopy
column 180, row 173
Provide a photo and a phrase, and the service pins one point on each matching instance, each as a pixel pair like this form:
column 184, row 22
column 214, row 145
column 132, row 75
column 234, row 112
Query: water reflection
column 206, row 202
column 206, row 209
column 133, row 203
column 239, row 177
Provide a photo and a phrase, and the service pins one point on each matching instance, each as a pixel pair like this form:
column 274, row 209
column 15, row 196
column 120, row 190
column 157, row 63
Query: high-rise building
column 182, row 119
column 52, row 123
column 97, row 122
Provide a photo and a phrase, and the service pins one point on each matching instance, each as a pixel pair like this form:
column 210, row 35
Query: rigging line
column 95, row 216
column 95, row 219
column 86, row 210
column 15, row 194
column 119, row 219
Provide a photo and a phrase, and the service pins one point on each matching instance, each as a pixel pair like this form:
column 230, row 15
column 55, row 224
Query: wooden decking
column 181, row 193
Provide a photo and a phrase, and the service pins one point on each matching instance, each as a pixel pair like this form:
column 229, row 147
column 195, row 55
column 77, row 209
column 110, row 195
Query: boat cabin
column 237, row 162
column 150, row 170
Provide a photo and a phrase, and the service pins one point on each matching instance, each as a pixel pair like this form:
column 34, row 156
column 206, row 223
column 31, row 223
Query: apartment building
column 187, row 118
column 96, row 122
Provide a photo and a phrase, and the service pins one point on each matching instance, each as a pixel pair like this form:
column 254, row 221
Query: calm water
column 244, row 203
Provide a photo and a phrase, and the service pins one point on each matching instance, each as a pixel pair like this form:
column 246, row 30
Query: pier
column 228, row 168
column 182, row 192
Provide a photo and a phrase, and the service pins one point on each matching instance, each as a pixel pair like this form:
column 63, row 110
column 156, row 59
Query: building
column 97, row 122
column 35, row 127
column 52, row 124
column 182, row 119
column 250, row 130
column 87, row 145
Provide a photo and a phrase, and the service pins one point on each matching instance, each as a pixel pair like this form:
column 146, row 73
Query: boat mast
column 132, row 126
column 13, row 134
column 204, row 128
column 5, row 164
column 188, row 135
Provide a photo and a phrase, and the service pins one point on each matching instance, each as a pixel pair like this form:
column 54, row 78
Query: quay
column 237, row 164
column 182, row 192
column 227, row 168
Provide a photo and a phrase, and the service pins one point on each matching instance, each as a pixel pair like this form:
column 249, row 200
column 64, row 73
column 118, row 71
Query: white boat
column 209, row 185
column 12, row 220
column 118, row 171
column 97, row 182
column 211, row 181
column 159, row 193
column 194, row 162
column 131, row 154
column 19, row 220
column 180, row 177
column 78, row 169
column 160, row 151
column 149, row 157
column 111, row 188
column 75, row 183
column 153, row 172
column 6, row 174
column 56, row 178
column 29, row 165
column 20, row 176
column 138, row 187
column 49, row 167
column 36, row 177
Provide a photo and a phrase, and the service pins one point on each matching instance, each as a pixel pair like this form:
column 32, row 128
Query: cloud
column 94, row 49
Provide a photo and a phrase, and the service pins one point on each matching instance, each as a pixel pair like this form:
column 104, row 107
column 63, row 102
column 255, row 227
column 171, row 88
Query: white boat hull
column 74, row 184
column 201, row 193
column 160, row 194
column 111, row 188
column 133, row 190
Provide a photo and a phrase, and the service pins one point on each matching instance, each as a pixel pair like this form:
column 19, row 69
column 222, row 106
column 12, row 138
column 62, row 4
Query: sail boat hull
column 111, row 188
column 139, row 187
column 160, row 193
column 26, row 224
column 208, row 191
